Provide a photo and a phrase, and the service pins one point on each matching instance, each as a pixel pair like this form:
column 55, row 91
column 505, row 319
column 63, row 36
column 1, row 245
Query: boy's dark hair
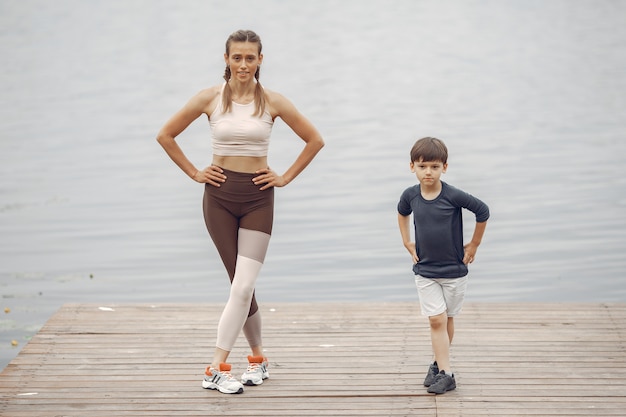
column 429, row 149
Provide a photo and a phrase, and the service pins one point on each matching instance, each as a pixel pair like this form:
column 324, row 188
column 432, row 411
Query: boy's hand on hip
column 470, row 253
column 410, row 246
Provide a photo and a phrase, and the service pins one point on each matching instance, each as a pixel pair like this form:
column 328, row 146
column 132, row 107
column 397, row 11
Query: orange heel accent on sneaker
column 225, row 367
column 256, row 359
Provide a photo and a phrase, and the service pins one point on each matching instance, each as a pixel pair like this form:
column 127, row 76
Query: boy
column 439, row 257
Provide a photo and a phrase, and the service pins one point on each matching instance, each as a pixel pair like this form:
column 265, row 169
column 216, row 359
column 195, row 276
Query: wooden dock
column 326, row 359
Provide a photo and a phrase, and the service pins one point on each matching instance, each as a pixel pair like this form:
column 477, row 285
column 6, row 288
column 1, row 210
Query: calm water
column 530, row 97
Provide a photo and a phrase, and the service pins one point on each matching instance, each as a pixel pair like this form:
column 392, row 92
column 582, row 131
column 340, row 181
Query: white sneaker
column 221, row 380
column 256, row 372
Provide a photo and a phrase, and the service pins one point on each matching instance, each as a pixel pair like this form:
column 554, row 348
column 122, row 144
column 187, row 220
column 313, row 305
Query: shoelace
column 252, row 367
column 227, row 375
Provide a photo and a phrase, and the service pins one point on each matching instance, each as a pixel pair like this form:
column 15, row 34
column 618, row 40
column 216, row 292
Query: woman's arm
column 201, row 103
column 301, row 126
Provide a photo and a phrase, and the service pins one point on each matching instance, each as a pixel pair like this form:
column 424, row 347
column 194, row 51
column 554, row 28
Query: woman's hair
column 429, row 149
column 259, row 95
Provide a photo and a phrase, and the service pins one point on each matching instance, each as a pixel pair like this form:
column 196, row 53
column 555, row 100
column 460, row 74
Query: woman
column 239, row 191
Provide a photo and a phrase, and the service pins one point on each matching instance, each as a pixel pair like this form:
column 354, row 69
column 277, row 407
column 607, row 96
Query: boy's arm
column 472, row 246
column 404, row 223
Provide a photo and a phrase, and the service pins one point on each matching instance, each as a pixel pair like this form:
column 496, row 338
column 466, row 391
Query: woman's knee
column 241, row 292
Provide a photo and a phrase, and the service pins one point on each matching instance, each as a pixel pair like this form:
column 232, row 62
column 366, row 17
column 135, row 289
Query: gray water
column 528, row 95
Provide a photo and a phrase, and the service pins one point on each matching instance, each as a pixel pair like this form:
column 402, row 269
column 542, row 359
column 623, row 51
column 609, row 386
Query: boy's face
column 428, row 173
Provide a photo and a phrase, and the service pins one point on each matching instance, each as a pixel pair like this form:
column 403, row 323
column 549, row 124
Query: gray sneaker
column 443, row 383
column 433, row 370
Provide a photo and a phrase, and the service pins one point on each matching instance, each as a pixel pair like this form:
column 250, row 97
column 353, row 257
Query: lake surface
column 530, row 97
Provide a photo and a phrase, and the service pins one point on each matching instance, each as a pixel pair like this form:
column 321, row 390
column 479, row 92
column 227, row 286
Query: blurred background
column 529, row 96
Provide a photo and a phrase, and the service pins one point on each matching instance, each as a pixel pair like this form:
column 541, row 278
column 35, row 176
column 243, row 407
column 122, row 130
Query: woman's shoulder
column 206, row 99
column 273, row 96
column 209, row 94
column 278, row 103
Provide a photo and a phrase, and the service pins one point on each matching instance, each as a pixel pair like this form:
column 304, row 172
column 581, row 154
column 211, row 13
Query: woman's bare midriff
column 247, row 164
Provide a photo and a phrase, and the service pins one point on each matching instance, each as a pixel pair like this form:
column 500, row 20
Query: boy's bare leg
column 450, row 329
column 440, row 340
column 450, row 334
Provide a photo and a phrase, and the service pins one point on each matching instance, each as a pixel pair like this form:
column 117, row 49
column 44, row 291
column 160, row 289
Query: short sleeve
column 404, row 205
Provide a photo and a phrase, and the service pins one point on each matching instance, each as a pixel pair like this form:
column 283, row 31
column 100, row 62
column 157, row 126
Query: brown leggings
column 234, row 214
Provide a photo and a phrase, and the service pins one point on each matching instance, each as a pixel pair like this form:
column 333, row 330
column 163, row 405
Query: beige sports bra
column 238, row 132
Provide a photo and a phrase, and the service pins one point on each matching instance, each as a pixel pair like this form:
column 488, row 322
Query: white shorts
column 438, row 295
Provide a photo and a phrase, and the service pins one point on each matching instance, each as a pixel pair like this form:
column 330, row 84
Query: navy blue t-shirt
column 439, row 229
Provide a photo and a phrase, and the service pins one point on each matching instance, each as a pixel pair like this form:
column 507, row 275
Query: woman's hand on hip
column 268, row 179
column 210, row 175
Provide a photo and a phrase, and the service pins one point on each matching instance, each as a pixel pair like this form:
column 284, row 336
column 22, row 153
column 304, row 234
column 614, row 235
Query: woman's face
column 243, row 60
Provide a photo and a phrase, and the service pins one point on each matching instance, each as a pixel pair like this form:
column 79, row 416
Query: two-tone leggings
column 239, row 218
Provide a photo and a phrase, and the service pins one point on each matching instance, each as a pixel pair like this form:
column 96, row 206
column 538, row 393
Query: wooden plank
column 339, row 359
